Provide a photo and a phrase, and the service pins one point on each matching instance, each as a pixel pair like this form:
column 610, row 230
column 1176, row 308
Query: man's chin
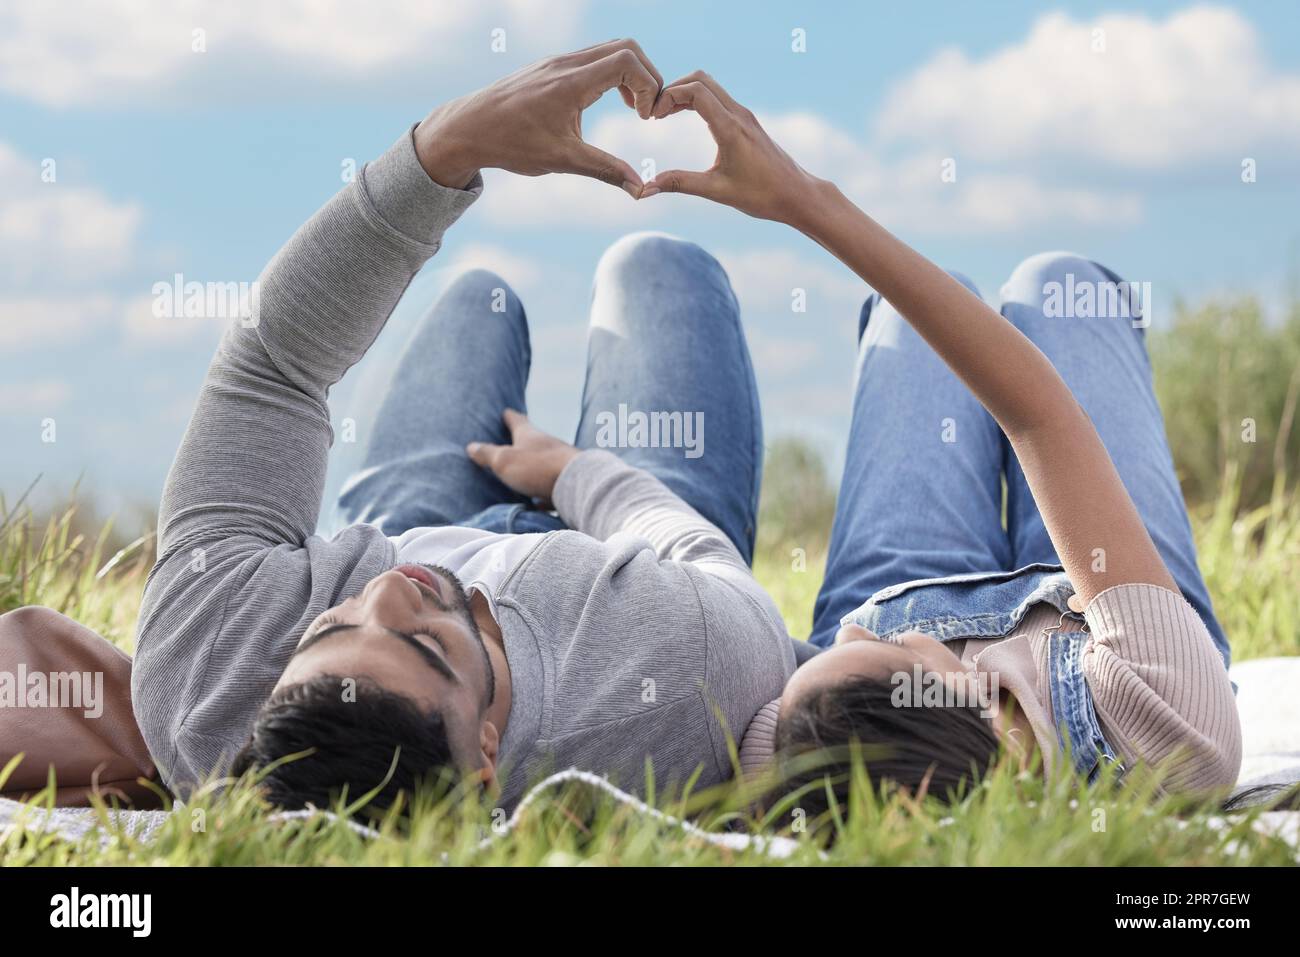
column 459, row 596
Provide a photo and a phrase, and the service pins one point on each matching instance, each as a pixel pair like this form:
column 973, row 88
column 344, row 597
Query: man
column 456, row 628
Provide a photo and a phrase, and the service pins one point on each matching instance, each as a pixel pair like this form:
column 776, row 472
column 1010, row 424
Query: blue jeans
column 918, row 533
column 665, row 336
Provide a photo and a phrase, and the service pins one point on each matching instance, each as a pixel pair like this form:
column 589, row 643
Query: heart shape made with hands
column 748, row 172
column 694, row 149
column 530, row 123
column 623, row 65
column 651, row 147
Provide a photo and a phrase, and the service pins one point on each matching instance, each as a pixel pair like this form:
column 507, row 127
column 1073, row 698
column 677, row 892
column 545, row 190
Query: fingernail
column 649, row 191
column 472, row 448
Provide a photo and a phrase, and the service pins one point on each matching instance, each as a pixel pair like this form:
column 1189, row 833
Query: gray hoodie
column 641, row 634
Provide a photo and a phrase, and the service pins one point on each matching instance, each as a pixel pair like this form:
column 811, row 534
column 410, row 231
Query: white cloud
column 57, row 236
column 814, row 404
column 913, row 196
column 106, row 51
column 42, row 395
column 765, row 280
column 59, row 244
column 1160, row 93
column 56, row 231
column 142, row 328
column 779, row 356
column 37, row 320
column 32, row 321
column 910, row 192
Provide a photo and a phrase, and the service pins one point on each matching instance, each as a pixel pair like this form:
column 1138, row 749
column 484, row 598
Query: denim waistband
column 514, row 519
column 980, row 605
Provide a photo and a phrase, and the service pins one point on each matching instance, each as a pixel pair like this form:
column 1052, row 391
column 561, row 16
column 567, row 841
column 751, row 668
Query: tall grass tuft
column 46, row 560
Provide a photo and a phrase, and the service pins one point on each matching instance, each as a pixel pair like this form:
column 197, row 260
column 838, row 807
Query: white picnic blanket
column 74, row 823
column 1268, row 698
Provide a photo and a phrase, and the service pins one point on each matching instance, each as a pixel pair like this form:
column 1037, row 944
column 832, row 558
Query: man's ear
column 489, row 742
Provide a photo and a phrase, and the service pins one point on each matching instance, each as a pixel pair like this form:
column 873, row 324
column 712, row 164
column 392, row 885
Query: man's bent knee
column 649, row 254
column 475, row 282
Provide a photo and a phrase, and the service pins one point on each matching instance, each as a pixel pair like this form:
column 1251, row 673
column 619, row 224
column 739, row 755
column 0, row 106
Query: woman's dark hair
column 351, row 741
column 939, row 750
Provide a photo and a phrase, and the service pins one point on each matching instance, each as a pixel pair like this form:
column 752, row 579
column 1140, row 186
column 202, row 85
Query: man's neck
column 499, row 712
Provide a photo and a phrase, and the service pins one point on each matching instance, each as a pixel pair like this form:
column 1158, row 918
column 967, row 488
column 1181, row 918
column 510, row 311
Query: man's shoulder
column 219, row 621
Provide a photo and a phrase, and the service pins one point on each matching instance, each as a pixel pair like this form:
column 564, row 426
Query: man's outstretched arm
column 253, row 461
column 240, row 574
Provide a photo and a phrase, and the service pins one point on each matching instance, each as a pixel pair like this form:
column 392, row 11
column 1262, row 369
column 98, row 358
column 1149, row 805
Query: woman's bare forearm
column 1089, row 515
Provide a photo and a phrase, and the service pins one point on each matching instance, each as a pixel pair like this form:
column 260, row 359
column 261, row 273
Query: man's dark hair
column 944, row 750
column 352, row 744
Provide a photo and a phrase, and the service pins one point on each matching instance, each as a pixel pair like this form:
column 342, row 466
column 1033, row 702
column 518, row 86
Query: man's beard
column 459, row 606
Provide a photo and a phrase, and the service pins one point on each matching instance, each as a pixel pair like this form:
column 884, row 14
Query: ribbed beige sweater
column 1159, row 687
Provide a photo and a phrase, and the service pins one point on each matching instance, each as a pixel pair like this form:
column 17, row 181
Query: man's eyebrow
column 322, row 633
column 431, row 658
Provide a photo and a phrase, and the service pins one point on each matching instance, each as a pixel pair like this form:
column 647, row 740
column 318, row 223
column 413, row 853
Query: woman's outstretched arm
column 1089, row 515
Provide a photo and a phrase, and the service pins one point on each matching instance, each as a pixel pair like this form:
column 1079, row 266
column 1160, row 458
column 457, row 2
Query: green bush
column 1228, row 382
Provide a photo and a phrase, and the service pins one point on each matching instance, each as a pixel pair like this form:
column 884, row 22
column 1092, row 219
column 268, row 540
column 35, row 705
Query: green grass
column 53, row 562
column 1011, row 820
column 1251, row 559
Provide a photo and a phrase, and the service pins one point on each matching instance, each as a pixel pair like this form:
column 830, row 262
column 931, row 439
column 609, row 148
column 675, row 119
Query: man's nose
column 391, row 591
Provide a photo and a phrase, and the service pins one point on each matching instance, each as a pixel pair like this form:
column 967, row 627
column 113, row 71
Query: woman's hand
column 750, row 173
column 531, row 122
column 531, row 463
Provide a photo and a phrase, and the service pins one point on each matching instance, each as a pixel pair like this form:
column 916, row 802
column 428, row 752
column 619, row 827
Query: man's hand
column 751, row 172
column 531, row 121
column 532, row 461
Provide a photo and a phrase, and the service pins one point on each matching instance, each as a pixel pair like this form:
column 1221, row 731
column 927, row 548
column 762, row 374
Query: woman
column 1082, row 629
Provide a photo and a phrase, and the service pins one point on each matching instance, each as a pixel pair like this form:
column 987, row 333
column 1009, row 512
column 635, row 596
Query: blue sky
column 1117, row 131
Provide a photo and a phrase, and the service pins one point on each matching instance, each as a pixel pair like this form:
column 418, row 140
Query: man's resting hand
column 531, row 463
